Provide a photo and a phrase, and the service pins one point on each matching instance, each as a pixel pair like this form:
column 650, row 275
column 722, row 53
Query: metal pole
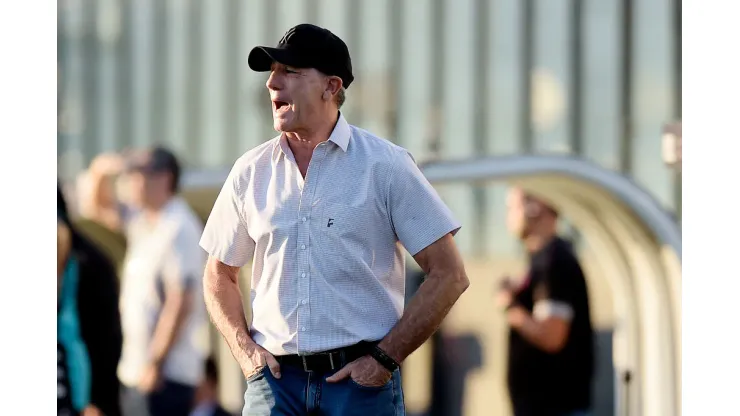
column 576, row 76
column 626, row 99
column 527, row 34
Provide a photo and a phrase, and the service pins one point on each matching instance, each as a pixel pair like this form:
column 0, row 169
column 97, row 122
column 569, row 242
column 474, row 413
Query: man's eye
column 291, row 71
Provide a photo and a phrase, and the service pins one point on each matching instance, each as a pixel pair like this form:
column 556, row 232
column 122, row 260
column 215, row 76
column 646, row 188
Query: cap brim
column 261, row 58
column 139, row 167
column 137, row 163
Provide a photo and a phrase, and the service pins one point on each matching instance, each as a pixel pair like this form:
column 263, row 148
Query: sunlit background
column 447, row 79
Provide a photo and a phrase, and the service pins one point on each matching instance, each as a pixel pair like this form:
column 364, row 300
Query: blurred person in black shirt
column 94, row 304
column 551, row 341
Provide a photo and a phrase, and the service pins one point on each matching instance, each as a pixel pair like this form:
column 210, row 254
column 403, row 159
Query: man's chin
column 282, row 127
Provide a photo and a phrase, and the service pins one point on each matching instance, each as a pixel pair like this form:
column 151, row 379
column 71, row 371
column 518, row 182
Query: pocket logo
column 330, row 222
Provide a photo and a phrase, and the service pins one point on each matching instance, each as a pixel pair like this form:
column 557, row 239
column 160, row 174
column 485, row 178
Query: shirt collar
column 281, row 144
column 339, row 136
column 172, row 206
column 175, row 203
column 341, row 133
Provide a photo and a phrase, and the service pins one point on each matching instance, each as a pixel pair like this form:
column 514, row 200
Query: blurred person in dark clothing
column 206, row 397
column 88, row 321
column 73, row 363
column 551, row 341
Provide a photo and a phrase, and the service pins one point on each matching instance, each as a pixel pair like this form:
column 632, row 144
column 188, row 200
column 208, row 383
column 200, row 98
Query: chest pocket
column 345, row 232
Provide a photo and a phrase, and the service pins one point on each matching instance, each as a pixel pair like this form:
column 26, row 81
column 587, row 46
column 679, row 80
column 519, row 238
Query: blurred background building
column 447, row 79
column 444, row 78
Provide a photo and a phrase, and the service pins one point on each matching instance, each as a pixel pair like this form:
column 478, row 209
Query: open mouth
column 280, row 105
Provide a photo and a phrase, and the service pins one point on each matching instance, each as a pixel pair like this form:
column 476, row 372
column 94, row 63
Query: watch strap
column 384, row 359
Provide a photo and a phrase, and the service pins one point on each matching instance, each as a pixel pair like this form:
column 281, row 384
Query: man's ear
column 333, row 86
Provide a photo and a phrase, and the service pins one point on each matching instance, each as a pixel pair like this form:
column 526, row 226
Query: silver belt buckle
column 305, row 364
column 331, row 361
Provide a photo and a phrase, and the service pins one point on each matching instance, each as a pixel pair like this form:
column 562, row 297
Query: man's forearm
column 224, row 304
column 546, row 335
column 174, row 314
column 100, row 203
column 530, row 330
column 423, row 315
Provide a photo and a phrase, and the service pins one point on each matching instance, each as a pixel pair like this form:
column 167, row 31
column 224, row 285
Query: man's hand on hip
column 256, row 358
column 365, row 371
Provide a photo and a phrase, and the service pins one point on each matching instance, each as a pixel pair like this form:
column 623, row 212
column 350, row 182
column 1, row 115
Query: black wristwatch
column 384, row 359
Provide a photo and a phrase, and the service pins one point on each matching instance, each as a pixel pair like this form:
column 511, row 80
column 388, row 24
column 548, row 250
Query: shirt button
column 304, row 219
column 303, row 246
column 303, row 328
column 303, row 302
column 303, row 274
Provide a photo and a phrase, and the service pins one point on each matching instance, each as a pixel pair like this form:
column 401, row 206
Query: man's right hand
column 256, row 358
column 504, row 298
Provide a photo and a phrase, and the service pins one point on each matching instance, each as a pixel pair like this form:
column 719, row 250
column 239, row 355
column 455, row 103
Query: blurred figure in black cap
column 152, row 179
column 161, row 291
column 88, row 309
column 161, row 308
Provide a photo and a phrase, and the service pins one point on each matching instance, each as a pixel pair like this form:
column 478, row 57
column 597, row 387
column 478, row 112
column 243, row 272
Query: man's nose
column 273, row 81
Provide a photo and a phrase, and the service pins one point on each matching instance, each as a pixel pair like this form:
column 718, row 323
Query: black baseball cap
column 155, row 160
column 306, row 46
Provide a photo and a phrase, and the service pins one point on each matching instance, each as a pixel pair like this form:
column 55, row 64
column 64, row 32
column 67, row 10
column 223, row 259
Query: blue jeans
column 298, row 393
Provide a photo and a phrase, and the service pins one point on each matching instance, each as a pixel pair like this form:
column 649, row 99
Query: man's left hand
column 151, row 379
column 517, row 316
column 365, row 371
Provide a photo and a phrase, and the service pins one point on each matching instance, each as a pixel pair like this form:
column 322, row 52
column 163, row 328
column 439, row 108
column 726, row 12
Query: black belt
column 324, row 362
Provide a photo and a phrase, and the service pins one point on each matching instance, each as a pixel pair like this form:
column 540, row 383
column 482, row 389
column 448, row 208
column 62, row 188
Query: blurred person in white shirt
column 162, row 313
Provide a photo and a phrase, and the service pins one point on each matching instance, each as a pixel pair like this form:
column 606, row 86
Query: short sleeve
column 417, row 213
column 225, row 235
column 556, row 294
column 185, row 260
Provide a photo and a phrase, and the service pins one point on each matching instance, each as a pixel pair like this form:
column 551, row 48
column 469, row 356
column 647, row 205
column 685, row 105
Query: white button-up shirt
column 160, row 253
column 327, row 250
